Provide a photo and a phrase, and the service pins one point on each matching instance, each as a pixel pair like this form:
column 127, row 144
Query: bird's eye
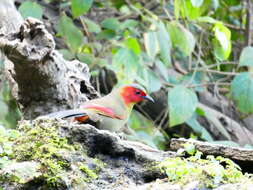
column 137, row 92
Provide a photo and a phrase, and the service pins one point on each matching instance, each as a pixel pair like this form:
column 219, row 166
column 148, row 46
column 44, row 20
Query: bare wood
column 206, row 148
column 238, row 133
column 10, row 19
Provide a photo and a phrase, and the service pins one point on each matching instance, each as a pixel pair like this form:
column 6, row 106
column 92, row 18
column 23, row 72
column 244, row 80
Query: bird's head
column 134, row 93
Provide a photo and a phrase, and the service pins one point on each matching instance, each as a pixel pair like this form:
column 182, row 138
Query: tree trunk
column 46, row 81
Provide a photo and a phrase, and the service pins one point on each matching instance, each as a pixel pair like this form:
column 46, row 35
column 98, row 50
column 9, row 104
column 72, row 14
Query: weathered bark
column 46, row 82
column 206, row 148
column 10, row 21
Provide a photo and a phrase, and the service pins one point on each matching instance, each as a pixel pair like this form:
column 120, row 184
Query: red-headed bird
column 111, row 111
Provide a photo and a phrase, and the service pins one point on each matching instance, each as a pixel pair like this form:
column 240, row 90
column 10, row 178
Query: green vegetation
column 210, row 172
column 7, row 138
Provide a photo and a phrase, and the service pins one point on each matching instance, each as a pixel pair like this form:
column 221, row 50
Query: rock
column 23, row 172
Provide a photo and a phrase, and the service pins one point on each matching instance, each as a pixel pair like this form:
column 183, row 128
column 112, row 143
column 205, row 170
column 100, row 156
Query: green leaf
column 31, row 9
column 129, row 23
column 162, row 69
column 197, row 128
column 126, row 59
column 190, row 148
column 177, row 5
column 86, row 58
column 71, row 34
column 195, row 12
column 223, row 35
column 222, row 41
column 148, row 134
column 215, row 4
column 246, row 57
column 151, row 44
column 182, row 104
column 197, row 3
column 191, row 9
column 80, row 7
column 164, row 42
column 207, row 19
column 133, row 44
column 110, row 23
column 154, row 83
column 200, row 111
column 92, row 26
column 181, row 38
column 106, row 34
column 242, row 92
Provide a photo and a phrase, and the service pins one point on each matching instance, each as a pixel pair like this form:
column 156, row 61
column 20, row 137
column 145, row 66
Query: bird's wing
column 83, row 113
column 102, row 110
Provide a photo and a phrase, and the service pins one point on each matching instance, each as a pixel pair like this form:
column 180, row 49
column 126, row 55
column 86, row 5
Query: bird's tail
column 67, row 114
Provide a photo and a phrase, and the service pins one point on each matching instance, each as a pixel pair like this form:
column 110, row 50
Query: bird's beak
column 147, row 97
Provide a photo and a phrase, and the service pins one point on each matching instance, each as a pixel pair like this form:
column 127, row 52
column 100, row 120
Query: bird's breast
column 111, row 124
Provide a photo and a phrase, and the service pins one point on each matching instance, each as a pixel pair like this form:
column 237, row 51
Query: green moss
column 210, row 172
column 90, row 173
column 40, row 142
column 7, row 136
column 99, row 165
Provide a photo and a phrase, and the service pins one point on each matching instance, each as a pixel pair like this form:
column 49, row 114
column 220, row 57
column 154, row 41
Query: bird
column 111, row 112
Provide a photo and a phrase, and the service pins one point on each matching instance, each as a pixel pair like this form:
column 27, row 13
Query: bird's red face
column 132, row 94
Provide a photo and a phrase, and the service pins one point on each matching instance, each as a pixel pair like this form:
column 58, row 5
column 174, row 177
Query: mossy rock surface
column 56, row 154
column 38, row 152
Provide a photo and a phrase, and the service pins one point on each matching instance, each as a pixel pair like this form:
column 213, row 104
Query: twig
column 128, row 16
column 168, row 16
column 211, row 83
column 248, row 23
column 202, row 84
column 161, row 117
column 178, row 68
column 217, row 72
column 234, row 27
column 144, row 112
column 222, row 63
column 206, row 148
column 84, row 27
column 198, row 58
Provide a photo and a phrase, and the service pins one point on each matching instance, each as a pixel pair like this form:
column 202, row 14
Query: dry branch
column 238, row 133
column 206, row 148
